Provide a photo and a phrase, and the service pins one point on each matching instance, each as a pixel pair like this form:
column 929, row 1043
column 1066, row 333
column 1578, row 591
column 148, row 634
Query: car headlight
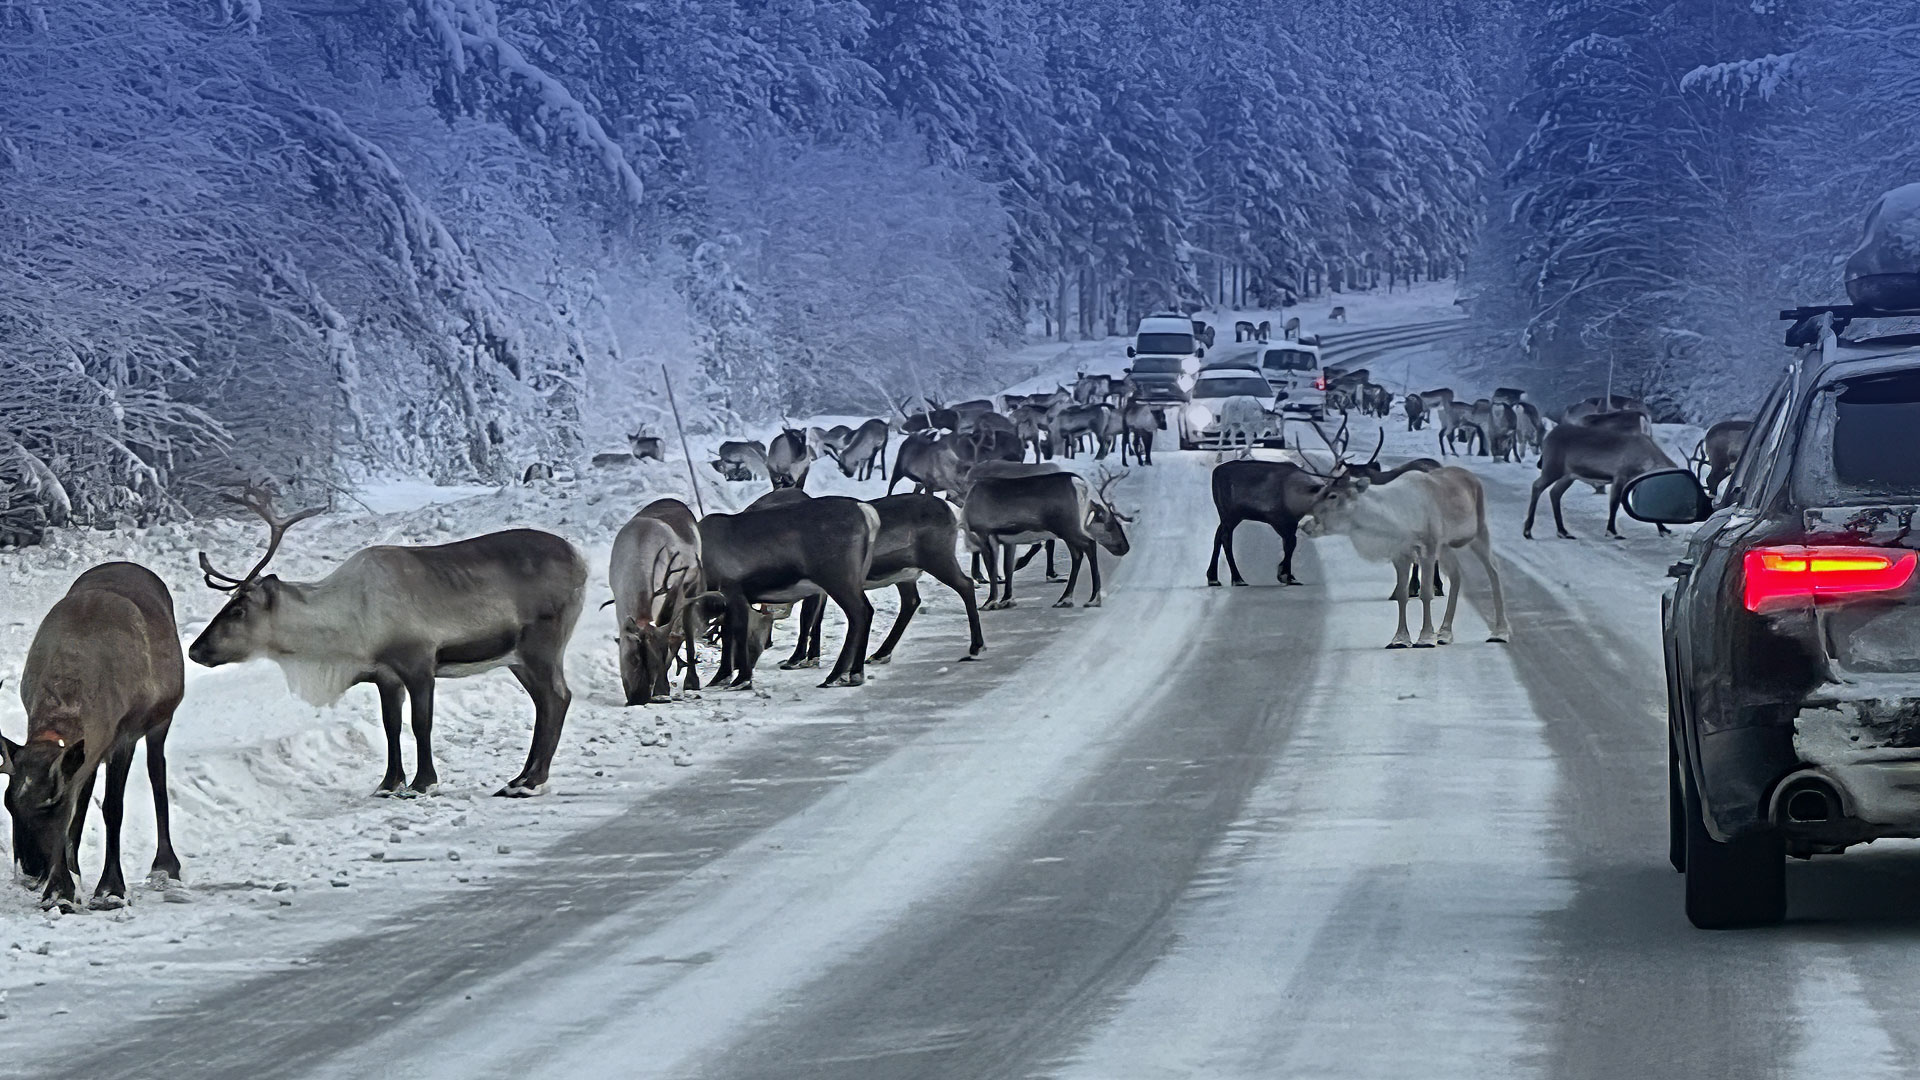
column 1199, row 416
column 1191, row 365
column 1186, row 382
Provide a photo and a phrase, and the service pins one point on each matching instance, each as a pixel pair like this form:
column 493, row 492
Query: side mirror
column 1130, row 353
column 1666, row 497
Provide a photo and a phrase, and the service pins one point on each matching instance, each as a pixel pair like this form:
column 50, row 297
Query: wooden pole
column 693, row 480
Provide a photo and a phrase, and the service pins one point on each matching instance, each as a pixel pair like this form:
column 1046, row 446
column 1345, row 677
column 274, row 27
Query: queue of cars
column 1171, row 370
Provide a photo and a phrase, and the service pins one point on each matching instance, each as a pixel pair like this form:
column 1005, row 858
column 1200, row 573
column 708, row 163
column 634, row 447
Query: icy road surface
column 1198, row 832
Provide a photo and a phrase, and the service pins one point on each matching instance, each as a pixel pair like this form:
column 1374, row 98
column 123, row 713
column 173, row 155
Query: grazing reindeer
column 1264, row 332
column 1137, row 425
column 1496, row 419
column 911, row 422
column 741, row 459
column 103, row 672
column 862, row 451
column 537, row 472
column 786, row 551
column 1291, row 330
column 1456, row 423
column 1416, row 408
column 1338, row 314
column 788, row 459
column 968, row 413
column 1074, row 422
column 401, row 617
column 931, row 462
column 918, row 535
column 1598, row 455
column 655, row 573
column 1090, row 389
column 1275, row 493
column 1001, row 512
column 1203, row 333
column 1720, row 451
column 1245, row 331
column 645, row 447
column 1243, row 421
column 1528, row 430
column 985, row 470
column 1420, row 519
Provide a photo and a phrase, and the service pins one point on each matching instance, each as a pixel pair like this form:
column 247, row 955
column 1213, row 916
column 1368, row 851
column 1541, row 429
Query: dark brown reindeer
column 927, row 459
column 862, row 451
column 1137, row 426
column 1275, row 493
column 918, row 535
column 1598, row 455
column 1416, row 409
column 1002, row 512
column 1720, row 451
column 402, row 617
column 785, row 551
column 103, row 672
column 654, row 572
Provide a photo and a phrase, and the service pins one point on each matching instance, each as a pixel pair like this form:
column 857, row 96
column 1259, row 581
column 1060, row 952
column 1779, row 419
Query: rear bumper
column 1867, row 752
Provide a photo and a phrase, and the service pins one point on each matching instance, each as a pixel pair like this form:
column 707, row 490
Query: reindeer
column 1030, row 424
column 1456, row 422
column 1137, row 425
column 1264, row 332
column 1496, row 421
column 1602, row 403
column 645, row 447
column 1420, row 519
column 862, row 451
column 968, row 413
column 1625, row 421
column 1071, row 423
column 788, row 459
column 1001, row 512
column 536, row 473
column 741, row 459
column 1245, row 331
column 788, row 551
column 1598, row 455
column 401, row 617
column 931, row 462
column 1243, row 421
column 912, row 422
column 1091, row 389
column 654, row 573
column 1291, row 330
column 1275, row 493
column 1338, row 314
column 918, row 535
column 103, row 672
column 1203, row 333
column 986, row 470
column 1416, row 409
column 1528, row 430
column 1720, row 450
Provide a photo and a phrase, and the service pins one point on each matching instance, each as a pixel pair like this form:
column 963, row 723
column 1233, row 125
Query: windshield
column 1156, row 365
column 1177, row 344
column 1290, row 360
column 1251, row 386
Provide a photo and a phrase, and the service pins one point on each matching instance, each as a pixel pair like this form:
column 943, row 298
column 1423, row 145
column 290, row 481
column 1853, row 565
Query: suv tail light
column 1320, row 382
column 1802, row 573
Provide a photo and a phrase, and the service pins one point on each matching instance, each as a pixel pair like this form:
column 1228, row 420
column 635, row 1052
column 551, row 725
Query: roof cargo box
column 1884, row 272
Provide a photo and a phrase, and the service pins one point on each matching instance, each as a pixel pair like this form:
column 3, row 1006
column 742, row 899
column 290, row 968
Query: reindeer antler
column 259, row 500
column 1379, row 446
column 1107, row 479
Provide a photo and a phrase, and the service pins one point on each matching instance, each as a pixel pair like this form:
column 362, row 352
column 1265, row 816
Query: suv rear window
column 1156, row 365
column 1179, row 344
column 1291, row 360
column 1876, row 421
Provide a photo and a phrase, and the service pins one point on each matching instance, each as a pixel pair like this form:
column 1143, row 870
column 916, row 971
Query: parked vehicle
column 1218, row 413
column 1793, row 683
column 1292, row 370
column 1165, row 357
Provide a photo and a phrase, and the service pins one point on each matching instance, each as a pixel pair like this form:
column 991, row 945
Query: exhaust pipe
column 1808, row 797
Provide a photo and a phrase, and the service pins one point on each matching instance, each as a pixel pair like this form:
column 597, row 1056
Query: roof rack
column 1806, row 320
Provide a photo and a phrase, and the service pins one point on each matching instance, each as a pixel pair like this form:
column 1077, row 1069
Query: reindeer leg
column 1006, row 582
column 1452, row 564
column 1233, row 567
column 1402, row 568
column 849, row 669
column 1052, row 574
column 165, row 862
column 541, row 673
column 111, row 892
column 1613, row 508
column 1482, row 549
column 692, row 681
column 1093, row 572
column 1289, row 531
column 1431, row 570
column 420, row 696
column 392, row 700
column 1220, row 534
column 909, row 603
column 1560, row 487
column 812, row 608
column 1073, row 576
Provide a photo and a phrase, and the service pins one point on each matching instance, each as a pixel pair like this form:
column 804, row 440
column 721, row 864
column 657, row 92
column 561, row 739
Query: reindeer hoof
column 1444, row 637
column 520, row 789
column 67, row 904
column 1095, row 602
column 1399, row 644
column 1212, row 584
column 660, row 699
column 1063, row 603
column 1055, row 578
column 387, row 791
column 1497, row 638
column 877, row 658
column 418, row 790
column 107, row 902
column 845, row 680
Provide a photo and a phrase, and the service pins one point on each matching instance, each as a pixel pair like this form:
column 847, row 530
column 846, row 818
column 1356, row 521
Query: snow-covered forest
column 323, row 239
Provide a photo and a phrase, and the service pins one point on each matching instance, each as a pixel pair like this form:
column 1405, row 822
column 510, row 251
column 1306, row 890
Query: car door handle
column 1680, row 569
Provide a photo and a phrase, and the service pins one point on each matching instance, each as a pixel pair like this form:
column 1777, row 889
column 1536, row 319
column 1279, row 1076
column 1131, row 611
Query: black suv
column 1793, row 634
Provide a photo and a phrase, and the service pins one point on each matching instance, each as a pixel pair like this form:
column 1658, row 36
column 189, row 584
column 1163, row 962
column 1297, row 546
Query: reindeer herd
column 105, row 669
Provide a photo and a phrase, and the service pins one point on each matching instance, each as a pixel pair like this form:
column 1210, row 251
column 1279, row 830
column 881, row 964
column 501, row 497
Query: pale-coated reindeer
column 862, row 451
column 654, row 573
column 1598, row 455
column 1002, row 512
column 788, row 459
column 741, row 459
column 402, row 617
column 1421, row 519
column 103, row 672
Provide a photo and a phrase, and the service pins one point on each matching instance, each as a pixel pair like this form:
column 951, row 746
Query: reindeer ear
column 8, row 749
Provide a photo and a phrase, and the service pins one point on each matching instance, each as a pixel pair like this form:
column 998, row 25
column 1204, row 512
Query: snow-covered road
column 1198, row 832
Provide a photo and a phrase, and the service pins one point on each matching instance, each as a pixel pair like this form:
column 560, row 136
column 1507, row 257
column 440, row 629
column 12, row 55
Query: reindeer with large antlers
column 402, row 617
column 1004, row 511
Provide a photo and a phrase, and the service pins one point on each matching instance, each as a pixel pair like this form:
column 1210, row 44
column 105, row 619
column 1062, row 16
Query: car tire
column 1732, row 885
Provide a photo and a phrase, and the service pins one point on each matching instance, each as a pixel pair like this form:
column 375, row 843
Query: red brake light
column 1802, row 573
column 1319, row 382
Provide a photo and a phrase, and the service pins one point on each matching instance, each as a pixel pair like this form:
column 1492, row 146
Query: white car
column 1229, row 406
column 1293, row 370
